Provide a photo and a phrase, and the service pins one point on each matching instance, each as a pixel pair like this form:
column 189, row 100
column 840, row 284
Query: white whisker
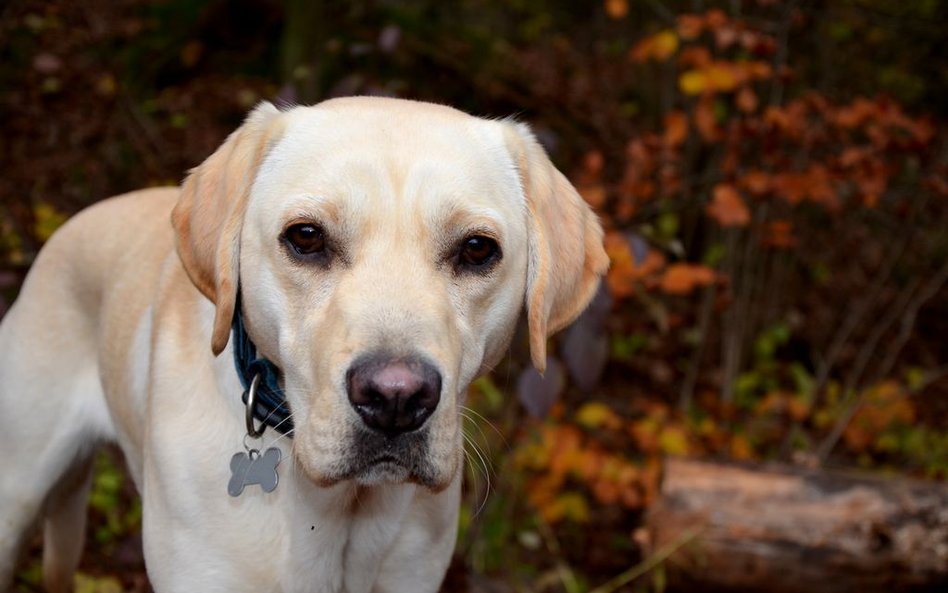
column 476, row 457
column 475, row 415
column 480, row 463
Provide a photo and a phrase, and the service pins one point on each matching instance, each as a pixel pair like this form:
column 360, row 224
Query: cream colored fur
column 121, row 334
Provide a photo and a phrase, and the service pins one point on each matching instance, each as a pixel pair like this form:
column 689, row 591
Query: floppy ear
column 566, row 258
column 209, row 214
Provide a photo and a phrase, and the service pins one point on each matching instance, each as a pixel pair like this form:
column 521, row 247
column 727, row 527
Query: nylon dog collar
column 269, row 405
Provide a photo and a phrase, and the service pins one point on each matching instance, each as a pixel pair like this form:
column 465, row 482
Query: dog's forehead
column 388, row 127
column 386, row 119
column 386, row 147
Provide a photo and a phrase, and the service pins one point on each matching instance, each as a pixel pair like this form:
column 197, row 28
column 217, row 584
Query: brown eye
column 478, row 251
column 305, row 239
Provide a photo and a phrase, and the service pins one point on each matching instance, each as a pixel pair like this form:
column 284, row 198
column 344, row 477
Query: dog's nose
column 393, row 396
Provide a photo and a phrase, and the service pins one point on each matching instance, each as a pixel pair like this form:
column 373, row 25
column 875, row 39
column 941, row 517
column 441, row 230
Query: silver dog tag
column 253, row 468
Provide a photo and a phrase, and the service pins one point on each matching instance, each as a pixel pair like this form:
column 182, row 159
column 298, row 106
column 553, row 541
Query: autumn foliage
column 771, row 249
column 775, row 223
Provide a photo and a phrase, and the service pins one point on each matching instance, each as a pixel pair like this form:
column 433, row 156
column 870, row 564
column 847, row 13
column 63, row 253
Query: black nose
column 393, row 395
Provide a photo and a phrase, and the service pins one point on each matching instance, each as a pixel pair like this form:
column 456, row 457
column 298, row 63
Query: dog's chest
column 337, row 539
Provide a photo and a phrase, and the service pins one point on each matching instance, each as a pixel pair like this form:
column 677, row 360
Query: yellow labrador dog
column 282, row 346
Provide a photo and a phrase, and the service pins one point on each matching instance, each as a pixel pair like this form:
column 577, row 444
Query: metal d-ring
column 251, row 402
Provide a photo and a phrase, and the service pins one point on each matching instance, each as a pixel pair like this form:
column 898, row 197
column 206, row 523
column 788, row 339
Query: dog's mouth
column 376, row 459
column 385, row 469
column 373, row 459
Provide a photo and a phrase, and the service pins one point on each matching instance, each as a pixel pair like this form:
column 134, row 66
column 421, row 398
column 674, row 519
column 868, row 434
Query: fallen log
column 789, row 530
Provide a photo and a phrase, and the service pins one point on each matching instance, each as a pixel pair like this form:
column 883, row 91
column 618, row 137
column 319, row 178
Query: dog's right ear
column 208, row 217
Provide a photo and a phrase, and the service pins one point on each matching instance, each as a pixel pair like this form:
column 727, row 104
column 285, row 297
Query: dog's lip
column 386, row 459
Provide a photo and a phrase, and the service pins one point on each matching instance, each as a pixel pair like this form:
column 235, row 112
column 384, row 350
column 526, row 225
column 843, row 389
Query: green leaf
column 667, row 226
column 714, row 254
column 48, row 219
column 493, row 398
column 659, row 579
column 625, row 347
column 89, row 584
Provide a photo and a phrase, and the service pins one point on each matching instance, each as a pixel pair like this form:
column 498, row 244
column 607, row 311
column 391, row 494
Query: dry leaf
column 727, row 207
column 682, row 278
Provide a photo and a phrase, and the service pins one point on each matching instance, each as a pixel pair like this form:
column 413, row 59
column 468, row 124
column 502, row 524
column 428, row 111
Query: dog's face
column 384, row 250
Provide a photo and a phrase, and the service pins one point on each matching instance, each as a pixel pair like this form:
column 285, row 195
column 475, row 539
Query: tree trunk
column 306, row 31
column 791, row 530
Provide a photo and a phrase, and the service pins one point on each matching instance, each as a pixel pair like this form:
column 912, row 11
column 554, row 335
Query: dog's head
column 384, row 250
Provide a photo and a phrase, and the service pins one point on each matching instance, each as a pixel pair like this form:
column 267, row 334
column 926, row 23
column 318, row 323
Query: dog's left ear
column 566, row 259
column 209, row 214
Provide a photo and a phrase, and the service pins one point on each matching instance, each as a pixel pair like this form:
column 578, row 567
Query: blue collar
column 270, row 406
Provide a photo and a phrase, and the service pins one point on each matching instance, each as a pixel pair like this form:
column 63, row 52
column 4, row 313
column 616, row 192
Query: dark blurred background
column 771, row 173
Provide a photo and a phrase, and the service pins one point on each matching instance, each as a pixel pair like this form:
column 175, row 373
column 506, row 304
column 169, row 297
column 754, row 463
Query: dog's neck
column 270, row 405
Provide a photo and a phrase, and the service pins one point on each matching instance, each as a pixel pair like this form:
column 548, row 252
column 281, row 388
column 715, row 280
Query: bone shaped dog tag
column 254, row 468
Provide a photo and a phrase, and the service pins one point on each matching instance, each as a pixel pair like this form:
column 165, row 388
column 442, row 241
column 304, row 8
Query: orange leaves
column 705, row 120
column 741, row 448
column 589, row 180
column 559, row 454
column 676, row 128
column 885, row 406
column 626, row 272
column 704, row 75
column 616, row 9
column 882, row 121
column 938, row 184
column 790, row 119
column 715, row 77
column 683, row 278
column 690, row 26
column 721, row 170
column 721, row 76
column 727, row 32
column 746, row 100
column 694, row 57
column 626, row 275
column 857, row 113
column 779, row 234
column 815, row 183
column 659, row 47
column 755, row 182
column 867, row 171
column 727, row 207
column 795, row 406
column 659, row 432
